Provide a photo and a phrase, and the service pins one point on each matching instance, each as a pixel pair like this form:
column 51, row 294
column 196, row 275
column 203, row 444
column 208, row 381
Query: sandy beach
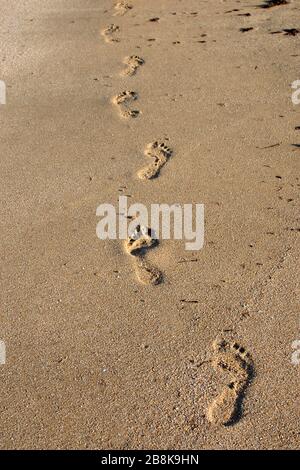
column 113, row 345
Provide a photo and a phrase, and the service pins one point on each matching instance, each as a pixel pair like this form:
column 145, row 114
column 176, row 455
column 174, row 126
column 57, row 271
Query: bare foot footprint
column 122, row 8
column 123, row 101
column 133, row 63
column 137, row 245
column 160, row 154
column 109, row 33
column 236, row 361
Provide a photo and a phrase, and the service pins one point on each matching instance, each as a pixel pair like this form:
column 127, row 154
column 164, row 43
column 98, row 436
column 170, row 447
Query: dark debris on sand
column 291, row 31
column 273, row 3
column 245, row 30
column 287, row 32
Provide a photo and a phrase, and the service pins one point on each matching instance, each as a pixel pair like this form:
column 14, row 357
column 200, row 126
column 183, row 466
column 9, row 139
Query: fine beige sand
column 165, row 101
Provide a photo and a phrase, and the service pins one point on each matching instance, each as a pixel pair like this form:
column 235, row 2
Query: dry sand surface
column 178, row 349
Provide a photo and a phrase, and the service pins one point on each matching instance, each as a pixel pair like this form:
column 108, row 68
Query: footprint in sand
column 121, row 8
column 237, row 363
column 160, row 153
column 137, row 246
column 109, row 33
column 123, row 101
column 132, row 64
